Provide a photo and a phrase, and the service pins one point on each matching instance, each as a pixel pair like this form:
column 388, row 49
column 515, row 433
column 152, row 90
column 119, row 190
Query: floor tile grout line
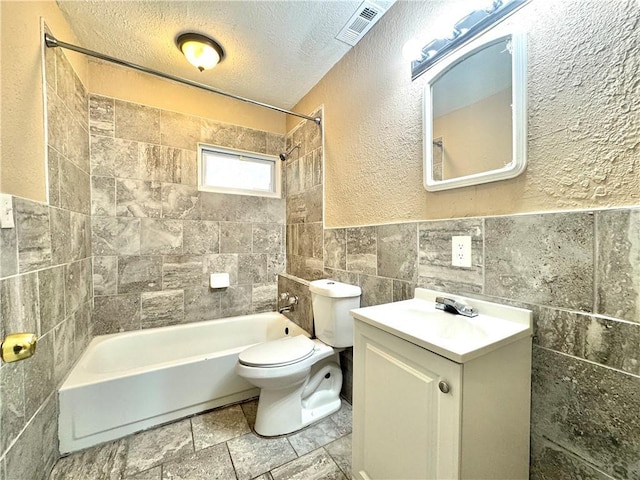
column 292, row 447
column 193, row 437
column 347, row 474
column 301, row 456
column 233, row 465
column 333, row 459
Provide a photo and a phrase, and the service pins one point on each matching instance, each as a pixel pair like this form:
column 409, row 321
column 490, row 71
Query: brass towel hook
column 18, row 346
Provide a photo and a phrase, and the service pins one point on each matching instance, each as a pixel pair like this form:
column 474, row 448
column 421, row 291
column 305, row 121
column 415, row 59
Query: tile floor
column 219, row 444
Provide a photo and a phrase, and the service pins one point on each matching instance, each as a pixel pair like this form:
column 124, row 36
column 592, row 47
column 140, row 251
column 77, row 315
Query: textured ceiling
column 275, row 50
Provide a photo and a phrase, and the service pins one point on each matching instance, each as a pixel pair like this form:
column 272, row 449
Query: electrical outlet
column 6, row 211
column 461, row 251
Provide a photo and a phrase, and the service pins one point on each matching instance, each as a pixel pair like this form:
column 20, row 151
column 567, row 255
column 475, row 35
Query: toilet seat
column 278, row 353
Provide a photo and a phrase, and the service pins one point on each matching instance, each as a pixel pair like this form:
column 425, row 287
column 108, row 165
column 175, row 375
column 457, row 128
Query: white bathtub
column 127, row 382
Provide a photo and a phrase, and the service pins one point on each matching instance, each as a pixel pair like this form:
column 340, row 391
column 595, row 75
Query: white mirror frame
column 518, row 120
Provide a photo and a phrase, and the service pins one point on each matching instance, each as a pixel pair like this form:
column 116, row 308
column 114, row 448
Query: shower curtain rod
column 51, row 42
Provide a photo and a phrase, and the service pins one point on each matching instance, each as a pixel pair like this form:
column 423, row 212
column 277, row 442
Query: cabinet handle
column 444, row 387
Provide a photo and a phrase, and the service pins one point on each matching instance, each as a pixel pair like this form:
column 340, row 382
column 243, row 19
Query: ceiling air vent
column 366, row 16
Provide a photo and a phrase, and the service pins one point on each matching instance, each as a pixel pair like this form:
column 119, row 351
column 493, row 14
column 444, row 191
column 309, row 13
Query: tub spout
column 292, row 301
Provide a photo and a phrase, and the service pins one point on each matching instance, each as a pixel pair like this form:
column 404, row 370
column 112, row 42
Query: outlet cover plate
column 461, row 251
column 6, row 211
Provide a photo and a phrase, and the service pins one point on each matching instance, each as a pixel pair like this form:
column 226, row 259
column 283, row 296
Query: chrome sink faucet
column 458, row 308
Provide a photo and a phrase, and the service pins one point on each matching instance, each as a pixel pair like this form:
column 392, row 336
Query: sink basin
column 455, row 337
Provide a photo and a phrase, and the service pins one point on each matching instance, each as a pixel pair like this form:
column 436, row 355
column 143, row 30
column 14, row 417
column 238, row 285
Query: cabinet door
column 404, row 427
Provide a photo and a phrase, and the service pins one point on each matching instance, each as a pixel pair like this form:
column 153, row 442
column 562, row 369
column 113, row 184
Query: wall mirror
column 475, row 114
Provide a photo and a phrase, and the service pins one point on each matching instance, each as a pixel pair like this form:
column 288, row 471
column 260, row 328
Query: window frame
column 276, row 171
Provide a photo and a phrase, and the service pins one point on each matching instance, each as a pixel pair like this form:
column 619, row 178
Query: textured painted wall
column 22, row 159
column 126, row 84
column 584, row 121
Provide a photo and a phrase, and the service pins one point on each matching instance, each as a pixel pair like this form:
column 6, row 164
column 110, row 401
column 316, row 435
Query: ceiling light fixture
column 202, row 52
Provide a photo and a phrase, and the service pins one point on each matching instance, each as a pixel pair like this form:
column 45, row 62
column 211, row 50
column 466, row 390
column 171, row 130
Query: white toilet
column 300, row 378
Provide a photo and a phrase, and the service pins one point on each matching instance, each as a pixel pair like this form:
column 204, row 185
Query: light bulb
column 487, row 5
column 412, row 50
column 200, row 55
column 201, row 51
column 443, row 30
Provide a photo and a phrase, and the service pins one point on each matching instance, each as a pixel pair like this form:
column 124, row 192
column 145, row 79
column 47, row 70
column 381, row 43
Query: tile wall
column 156, row 238
column 302, row 313
column 304, row 190
column 45, row 282
column 579, row 272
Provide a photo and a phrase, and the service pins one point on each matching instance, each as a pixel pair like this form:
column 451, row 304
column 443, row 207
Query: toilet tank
column 331, row 304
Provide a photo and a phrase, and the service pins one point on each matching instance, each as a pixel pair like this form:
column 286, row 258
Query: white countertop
column 453, row 336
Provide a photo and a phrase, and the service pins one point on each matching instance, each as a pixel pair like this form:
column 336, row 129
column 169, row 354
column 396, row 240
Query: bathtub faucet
column 290, row 302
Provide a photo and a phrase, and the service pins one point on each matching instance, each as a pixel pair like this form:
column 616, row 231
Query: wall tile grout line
column 484, row 256
column 590, row 362
column 31, row 420
column 596, row 261
column 579, row 458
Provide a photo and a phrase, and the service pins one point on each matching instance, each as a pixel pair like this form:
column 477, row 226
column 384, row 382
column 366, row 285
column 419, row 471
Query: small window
column 237, row 172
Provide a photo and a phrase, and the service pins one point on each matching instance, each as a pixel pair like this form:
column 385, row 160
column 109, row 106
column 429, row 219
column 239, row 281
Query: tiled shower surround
column 304, row 189
column 156, row 238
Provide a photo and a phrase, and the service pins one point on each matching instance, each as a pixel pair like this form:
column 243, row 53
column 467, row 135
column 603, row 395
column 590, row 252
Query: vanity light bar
column 463, row 31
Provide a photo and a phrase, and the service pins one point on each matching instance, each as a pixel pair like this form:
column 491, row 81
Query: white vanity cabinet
column 420, row 415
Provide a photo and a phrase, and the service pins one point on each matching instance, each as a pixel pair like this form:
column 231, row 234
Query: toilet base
column 286, row 410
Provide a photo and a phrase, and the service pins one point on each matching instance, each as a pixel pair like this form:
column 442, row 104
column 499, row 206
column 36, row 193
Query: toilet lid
column 276, row 353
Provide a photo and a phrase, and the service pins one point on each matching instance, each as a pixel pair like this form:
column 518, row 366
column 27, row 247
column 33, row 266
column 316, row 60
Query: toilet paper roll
column 219, row 280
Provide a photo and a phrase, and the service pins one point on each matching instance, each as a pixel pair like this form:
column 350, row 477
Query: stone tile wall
column 156, row 238
column 45, row 282
column 302, row 313
column 304, row 187
column 580, row 274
